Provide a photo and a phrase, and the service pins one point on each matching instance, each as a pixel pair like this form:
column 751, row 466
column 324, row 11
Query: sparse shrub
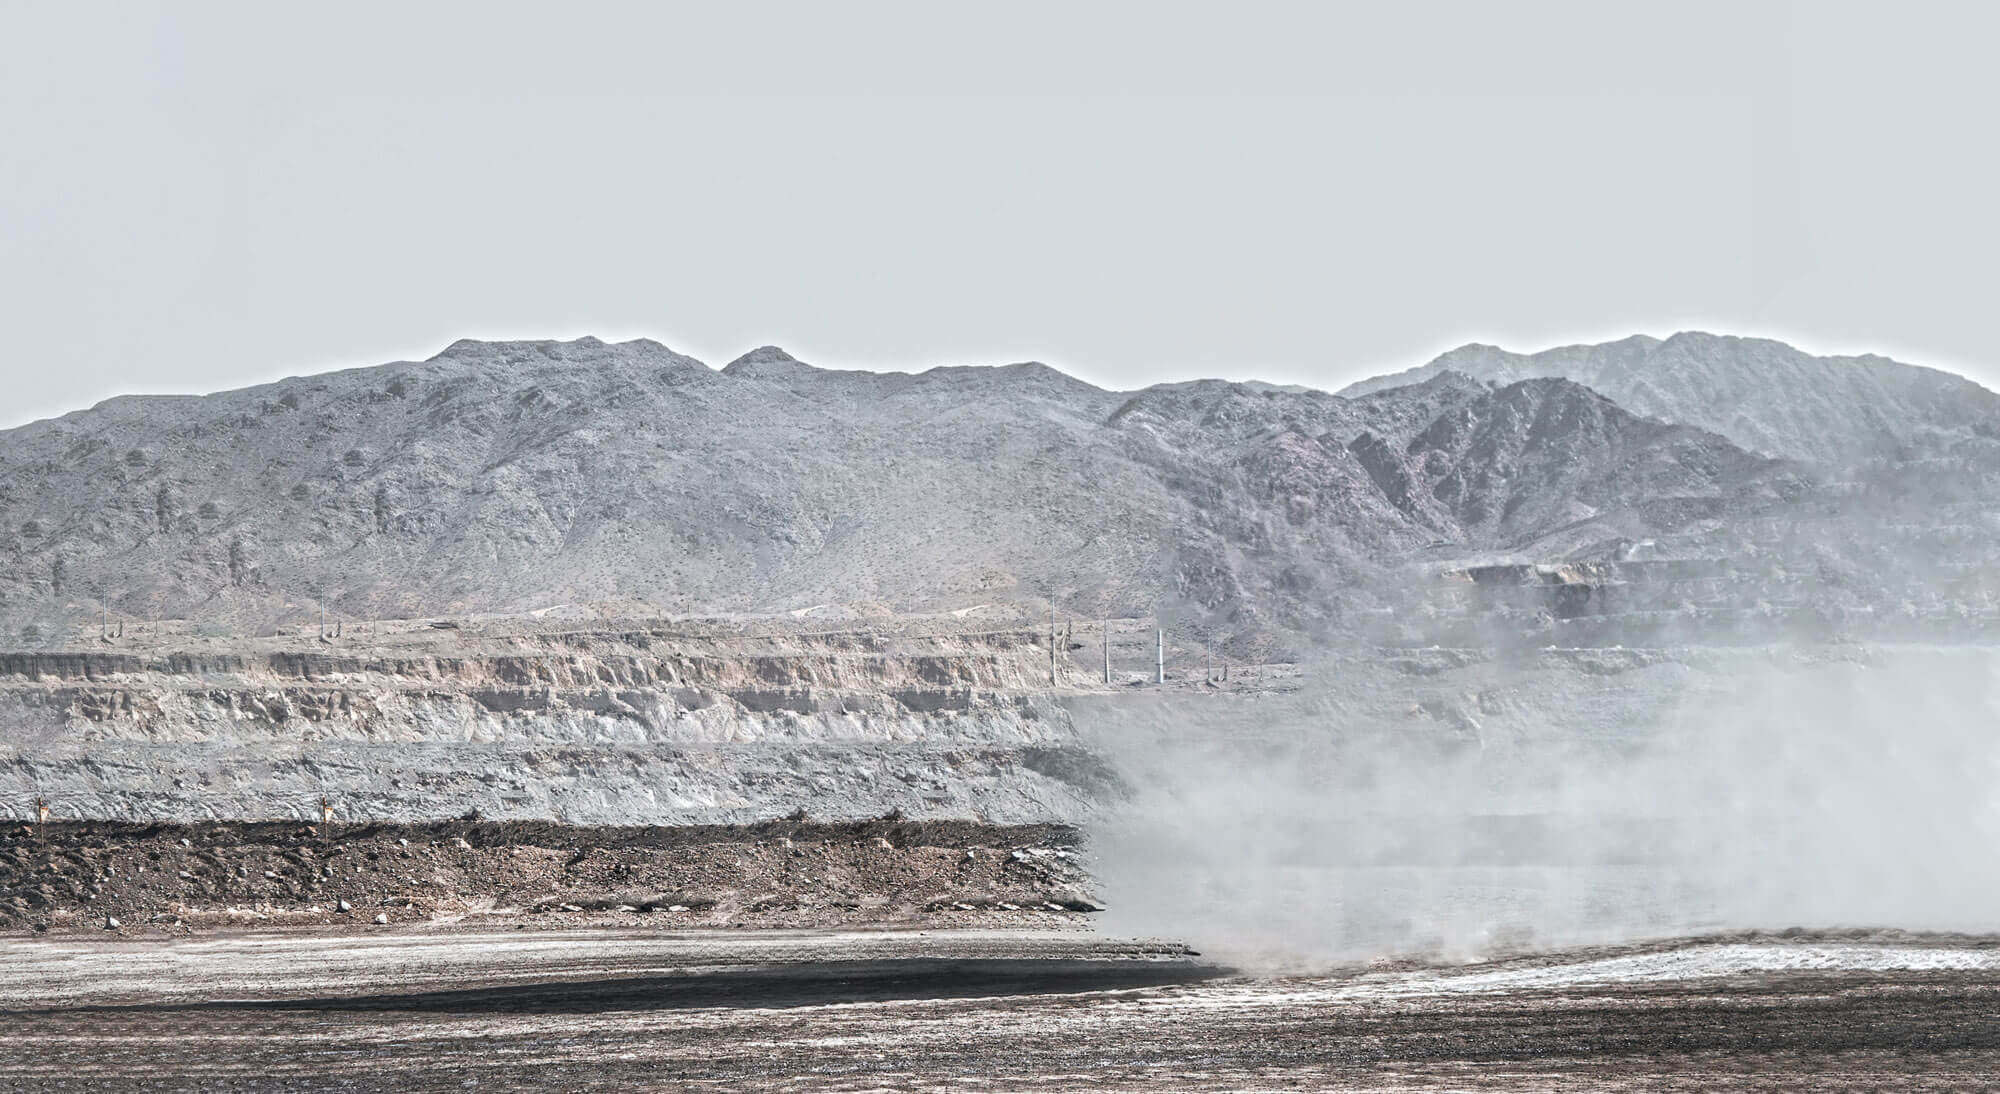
column 209, row 510
column 300, row 493
column 353, row 458
column 135, row 458
column 31, row 528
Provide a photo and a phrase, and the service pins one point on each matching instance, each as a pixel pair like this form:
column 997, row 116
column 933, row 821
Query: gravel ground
column 1001, row 1010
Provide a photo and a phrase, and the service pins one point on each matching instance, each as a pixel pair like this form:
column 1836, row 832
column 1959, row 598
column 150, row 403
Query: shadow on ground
column 816, row 984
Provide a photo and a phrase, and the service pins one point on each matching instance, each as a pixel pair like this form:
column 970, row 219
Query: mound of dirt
column 137, row 878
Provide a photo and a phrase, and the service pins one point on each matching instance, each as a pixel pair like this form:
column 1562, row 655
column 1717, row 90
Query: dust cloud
column 1497, row 807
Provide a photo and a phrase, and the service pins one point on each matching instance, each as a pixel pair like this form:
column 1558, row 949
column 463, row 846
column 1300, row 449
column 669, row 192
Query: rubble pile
column 139, row 878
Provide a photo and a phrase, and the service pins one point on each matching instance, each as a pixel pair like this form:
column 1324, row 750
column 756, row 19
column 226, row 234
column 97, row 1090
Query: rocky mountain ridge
column 1764, row 395
column 628, row 480
column 519, row 476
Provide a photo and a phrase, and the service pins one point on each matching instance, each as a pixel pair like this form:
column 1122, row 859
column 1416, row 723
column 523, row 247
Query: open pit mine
column 575, row 714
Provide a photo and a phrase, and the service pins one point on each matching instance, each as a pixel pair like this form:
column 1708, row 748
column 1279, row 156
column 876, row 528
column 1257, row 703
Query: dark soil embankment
column 86, row 875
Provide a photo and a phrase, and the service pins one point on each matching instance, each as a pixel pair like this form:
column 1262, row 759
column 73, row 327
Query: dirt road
column 978, row 1010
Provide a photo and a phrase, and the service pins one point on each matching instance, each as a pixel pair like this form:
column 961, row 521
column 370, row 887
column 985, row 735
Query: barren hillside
column 595, row 479
column 1763, row 395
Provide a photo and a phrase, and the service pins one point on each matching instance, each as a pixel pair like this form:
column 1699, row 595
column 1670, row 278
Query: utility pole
column 1160, row 649
column 1107, row 651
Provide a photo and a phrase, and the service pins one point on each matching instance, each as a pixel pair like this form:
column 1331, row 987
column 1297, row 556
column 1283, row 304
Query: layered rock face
column 653, row 726
column 633, row 727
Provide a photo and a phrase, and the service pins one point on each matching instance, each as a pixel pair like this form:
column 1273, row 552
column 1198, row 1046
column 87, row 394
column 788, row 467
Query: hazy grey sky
column 200, row 196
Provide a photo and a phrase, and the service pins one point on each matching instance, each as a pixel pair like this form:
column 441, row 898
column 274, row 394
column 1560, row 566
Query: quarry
column 988, row 723
column 252, row 762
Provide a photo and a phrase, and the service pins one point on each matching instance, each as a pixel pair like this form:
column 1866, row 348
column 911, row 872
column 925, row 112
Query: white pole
column 1160, row 642
column 1107, row 651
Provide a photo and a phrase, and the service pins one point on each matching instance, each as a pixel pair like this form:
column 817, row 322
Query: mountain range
column 621, row 479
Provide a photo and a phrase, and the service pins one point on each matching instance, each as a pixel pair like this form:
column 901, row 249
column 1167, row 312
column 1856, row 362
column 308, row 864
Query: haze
column 196, row 197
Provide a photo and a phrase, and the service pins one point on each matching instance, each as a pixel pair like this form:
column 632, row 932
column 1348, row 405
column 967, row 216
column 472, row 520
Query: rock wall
column 618, row 728
column 653, row 728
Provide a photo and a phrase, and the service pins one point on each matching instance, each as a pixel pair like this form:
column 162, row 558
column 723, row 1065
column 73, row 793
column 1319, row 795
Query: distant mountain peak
column 1033, row 373
column 766, row 361
column 475, row 348
column 767, row 355
column 1760, row 393
column 587, row 351
column 1470, row 348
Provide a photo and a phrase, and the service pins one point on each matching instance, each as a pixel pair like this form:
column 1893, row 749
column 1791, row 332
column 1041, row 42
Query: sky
column 198, row 196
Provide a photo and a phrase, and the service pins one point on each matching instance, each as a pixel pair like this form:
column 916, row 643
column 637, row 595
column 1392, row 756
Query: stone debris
column 791, row 874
